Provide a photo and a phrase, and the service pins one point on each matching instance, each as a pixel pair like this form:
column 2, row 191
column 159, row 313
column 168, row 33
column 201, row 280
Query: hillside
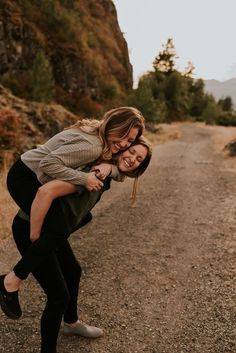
column 25, row 124
column 83, row 43
column 222, row 89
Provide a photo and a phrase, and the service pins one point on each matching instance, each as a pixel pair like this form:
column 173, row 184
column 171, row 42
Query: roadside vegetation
column 166, row 94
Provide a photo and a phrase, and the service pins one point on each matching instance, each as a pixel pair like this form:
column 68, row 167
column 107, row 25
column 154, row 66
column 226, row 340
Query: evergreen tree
column 198, row 98
column 165, row 61
column 176, row 94
column 48, row 7
column 211, row 111
column 143, row 99
column 42, row 82
column 226, row 104
column 188, row 72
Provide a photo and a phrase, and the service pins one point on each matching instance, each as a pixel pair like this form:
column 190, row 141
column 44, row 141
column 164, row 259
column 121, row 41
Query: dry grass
column 166, row 133
column 221, row 137
column 7, row 209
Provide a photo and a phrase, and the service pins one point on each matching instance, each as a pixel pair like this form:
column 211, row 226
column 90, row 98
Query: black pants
column 23, row 185
column 59, row 277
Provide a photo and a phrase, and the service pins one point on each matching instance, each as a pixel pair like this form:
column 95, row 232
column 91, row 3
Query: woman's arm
column 63, row 162
column 104, row 170
column 42, row 202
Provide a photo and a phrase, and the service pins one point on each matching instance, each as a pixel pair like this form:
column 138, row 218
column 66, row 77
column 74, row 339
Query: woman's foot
column 9, row 301
column 81, row 329
column 12, row 282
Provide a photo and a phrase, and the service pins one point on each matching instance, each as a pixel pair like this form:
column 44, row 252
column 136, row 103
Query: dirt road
column 160, row 277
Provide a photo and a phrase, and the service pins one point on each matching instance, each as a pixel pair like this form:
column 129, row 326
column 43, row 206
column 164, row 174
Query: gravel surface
column 159, row 277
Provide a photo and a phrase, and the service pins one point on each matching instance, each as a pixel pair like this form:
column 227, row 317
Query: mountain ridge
column 221, row 89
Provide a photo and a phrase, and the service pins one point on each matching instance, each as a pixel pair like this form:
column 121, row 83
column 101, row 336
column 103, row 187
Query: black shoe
column 9, row 301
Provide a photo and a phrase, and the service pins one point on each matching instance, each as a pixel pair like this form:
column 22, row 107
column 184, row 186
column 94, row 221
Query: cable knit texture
column 63, row 156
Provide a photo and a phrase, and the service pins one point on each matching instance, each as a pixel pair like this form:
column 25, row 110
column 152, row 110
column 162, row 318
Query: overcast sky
column 204, row 32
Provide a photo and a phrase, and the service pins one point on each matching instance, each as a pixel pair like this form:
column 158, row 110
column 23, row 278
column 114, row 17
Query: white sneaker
column 81, row 329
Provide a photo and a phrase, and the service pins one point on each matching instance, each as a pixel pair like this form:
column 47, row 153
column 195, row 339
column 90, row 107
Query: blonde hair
column 117, row 121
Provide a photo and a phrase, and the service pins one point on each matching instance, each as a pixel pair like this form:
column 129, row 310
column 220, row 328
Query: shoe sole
column 70, row 334
column 6, row 311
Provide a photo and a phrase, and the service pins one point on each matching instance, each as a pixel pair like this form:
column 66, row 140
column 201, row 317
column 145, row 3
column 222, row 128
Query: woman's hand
column 34, row 237
column 102, row 170
column 93, row 183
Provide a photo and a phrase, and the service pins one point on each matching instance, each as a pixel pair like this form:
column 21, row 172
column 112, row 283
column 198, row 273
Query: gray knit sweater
column 63, row 156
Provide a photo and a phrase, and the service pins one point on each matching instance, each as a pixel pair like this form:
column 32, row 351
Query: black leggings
column 59, row 277
column 23, row 185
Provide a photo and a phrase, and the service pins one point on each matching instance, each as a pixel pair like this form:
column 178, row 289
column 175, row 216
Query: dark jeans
column 23, row 185
column 59, row 277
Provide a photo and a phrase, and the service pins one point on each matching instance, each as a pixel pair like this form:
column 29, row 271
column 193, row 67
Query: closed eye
column 131, row 150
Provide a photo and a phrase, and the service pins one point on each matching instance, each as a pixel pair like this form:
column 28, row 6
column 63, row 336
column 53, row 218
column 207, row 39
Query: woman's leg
column 51, row 279
column 72, row 272
column 23, row 185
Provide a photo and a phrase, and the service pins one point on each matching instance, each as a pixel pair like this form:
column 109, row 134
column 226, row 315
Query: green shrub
column 211, row 112
column 153, row 109
column 48, row 8
column 42, row 82
column 67, row 3
column 110, row 91
column 226, row 119
column 226, row 104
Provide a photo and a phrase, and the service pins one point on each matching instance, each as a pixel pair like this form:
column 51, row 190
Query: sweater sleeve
column 116, row 174
column 62, row 163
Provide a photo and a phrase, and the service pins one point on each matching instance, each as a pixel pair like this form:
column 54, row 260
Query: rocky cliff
column 24, row 124
column 83, row 43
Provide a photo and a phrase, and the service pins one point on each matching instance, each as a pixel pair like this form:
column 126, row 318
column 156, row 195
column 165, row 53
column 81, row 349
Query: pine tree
column 188, row 72
column 226, row 104
column 42, row 82
column 165, row 61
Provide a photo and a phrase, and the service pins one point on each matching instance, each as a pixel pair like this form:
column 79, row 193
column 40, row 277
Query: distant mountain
column 222, row 89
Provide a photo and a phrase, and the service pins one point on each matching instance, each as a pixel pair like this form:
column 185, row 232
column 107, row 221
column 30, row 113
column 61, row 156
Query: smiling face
column 131, row 159
column 118, row 144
